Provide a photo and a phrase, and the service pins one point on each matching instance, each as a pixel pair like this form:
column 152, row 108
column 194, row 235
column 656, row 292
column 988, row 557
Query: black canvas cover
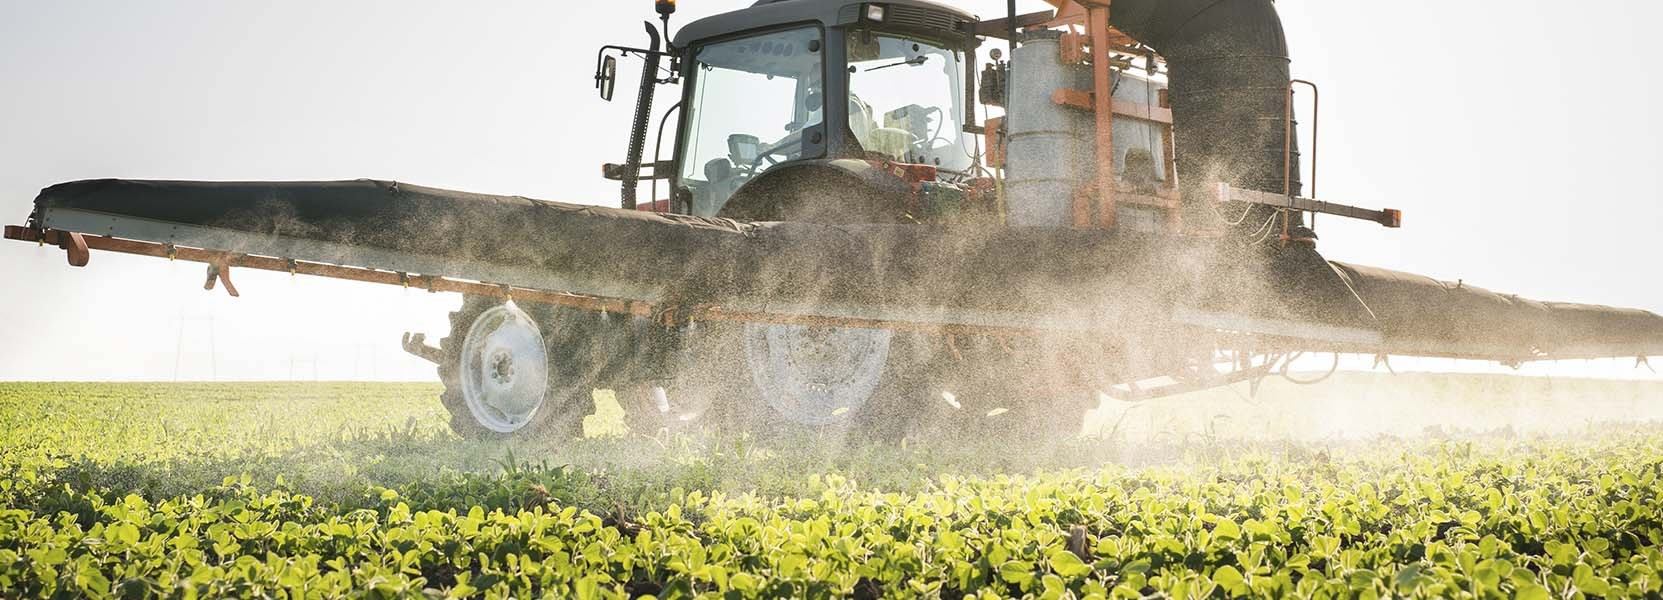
column 1424, row 316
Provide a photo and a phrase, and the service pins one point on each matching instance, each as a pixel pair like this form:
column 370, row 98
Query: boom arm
column 906, row 277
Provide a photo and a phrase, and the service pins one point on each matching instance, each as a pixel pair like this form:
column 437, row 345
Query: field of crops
column 320, row 490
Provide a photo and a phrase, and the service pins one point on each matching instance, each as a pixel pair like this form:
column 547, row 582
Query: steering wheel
column 930, row 145
column 792, row 141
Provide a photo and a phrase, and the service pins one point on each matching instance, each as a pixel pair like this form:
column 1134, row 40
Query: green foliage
column 89, row 512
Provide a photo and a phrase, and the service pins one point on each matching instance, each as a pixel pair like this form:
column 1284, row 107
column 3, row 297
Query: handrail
column 1316, row 123
column 1288, row 166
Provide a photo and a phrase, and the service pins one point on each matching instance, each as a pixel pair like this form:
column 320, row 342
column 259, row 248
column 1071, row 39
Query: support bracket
column 75, row 246
column 416, row 344
column 219, row 270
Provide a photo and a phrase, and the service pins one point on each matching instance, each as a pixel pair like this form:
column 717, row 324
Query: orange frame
column 1097, row 43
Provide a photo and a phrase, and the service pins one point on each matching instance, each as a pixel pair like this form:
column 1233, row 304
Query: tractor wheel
column 774, row 380
column 816, row 376
column 517, row 371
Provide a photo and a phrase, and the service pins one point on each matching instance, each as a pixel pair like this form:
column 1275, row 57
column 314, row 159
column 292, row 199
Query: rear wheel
column 816, row 376
column 513, row 371
column 775, row 380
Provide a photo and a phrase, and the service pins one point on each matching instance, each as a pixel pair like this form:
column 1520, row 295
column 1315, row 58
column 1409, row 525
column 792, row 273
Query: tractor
column 842, row 237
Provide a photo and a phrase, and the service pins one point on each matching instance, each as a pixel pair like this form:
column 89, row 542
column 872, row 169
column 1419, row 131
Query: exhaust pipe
column 638, row 130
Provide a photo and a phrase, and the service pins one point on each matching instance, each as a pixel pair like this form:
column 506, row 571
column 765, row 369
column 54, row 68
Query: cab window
column 756, row 102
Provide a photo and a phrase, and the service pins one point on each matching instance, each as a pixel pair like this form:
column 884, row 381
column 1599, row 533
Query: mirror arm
column 675, row 60
column 626, row 51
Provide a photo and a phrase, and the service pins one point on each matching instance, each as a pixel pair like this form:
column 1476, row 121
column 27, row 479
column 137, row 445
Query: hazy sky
column 1521, row 141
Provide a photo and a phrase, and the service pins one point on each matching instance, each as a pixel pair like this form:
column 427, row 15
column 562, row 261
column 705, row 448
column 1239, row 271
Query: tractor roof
column 768, row 13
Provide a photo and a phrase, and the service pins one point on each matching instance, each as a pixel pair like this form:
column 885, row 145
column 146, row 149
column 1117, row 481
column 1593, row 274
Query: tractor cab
column 849, row 111
column 800, row 80
column 828, row 84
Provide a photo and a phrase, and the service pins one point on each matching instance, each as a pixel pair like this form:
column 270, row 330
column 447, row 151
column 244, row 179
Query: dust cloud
column 1361, row 405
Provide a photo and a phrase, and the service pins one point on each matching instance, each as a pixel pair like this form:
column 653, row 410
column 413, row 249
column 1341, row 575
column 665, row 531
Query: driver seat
column 722, row 180
column 888, row 141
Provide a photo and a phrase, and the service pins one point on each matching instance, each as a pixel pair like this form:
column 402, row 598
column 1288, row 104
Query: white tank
column 1043, row 149
column 1051, row 149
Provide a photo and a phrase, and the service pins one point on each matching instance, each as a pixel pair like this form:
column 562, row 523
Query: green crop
column 137, row 491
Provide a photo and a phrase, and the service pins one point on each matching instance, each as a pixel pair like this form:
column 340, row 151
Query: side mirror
column 606, row 80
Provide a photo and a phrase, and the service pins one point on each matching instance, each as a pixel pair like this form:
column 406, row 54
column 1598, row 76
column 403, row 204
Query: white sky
column 1520, row 139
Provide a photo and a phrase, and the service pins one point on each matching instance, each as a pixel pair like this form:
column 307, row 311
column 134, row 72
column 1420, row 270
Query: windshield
column 756, row 103
column 906, row 100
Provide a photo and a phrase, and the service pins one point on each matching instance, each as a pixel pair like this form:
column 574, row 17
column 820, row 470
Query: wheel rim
column 505, row 369
column 816, row 375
